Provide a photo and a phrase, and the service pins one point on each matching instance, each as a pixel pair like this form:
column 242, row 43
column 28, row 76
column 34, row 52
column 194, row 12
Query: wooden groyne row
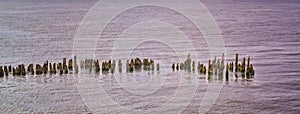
column 216, row 67
column 71, row 66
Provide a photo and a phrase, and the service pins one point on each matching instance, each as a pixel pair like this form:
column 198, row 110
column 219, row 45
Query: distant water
column 32, row 31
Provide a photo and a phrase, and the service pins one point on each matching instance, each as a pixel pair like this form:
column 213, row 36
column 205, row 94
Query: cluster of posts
column 61, row 68
column 189, row 65
column 217, row 67
column 242, row 68
column 137, row 65
column 19, row 70
column 90, row 64
column 109, row 66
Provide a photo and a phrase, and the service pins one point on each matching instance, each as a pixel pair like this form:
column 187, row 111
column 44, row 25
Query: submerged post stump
column 38, row 69
column 9, row 68
column 54, row 68
column 30, row 69
column 75, row 64
column 5, row 71
column 97, row 66
column 70, row 65
column 173, row 67
column 1, row 72
column 227, row 73
column 120, row 66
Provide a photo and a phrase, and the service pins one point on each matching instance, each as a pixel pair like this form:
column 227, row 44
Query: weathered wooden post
column 64, row 62
column 127, row 65
column 217, row 68
column 30, row 68
column 82, row 64
column 90, row 65
column 188, row 62
column 243, row 65
column 131, row 67
column 223, row 57
column 198, row 68
column 70, row 65
column 23, row 70
column 50, row 68
column 204, row 70
column 248, row 63
column 76, row 65
column 14, row 71
column 209, row 71
column 252, row 71
column 152, row 64
column 45, row 68
column 1, row 72
column 64, row 66
column 209, row 68
column 193, row 66
column 236, row 62
column 113, row 66
column 173, row 67
column 120, row 66
column 5, row 71
column 38, row 69
column 59, row 67
column 54, row 68
column 227, row 73
column 9, row 68
column 97, row 66
column 137, row 64
column 231, row 67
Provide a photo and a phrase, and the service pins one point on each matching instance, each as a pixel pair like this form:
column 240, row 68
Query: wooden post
column 1, row 72
column 193, row 66
column 97, row 66
column 248, row 63
column 5, row 71
column 120, row 66
column 112, row 68
column 227, row 73
column 75, row 64
column 243, row 65
column 209, row 68
column 236, row 61
column 173, row 67
column 38, row 69
column 9, row 68
column 50, row 68
column 31, row 69
column 70, row 65
column 223, row 56
column 59, row 67
column 14, row 71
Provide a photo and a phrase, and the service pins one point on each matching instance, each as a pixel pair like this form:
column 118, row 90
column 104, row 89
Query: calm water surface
column 32, row 31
